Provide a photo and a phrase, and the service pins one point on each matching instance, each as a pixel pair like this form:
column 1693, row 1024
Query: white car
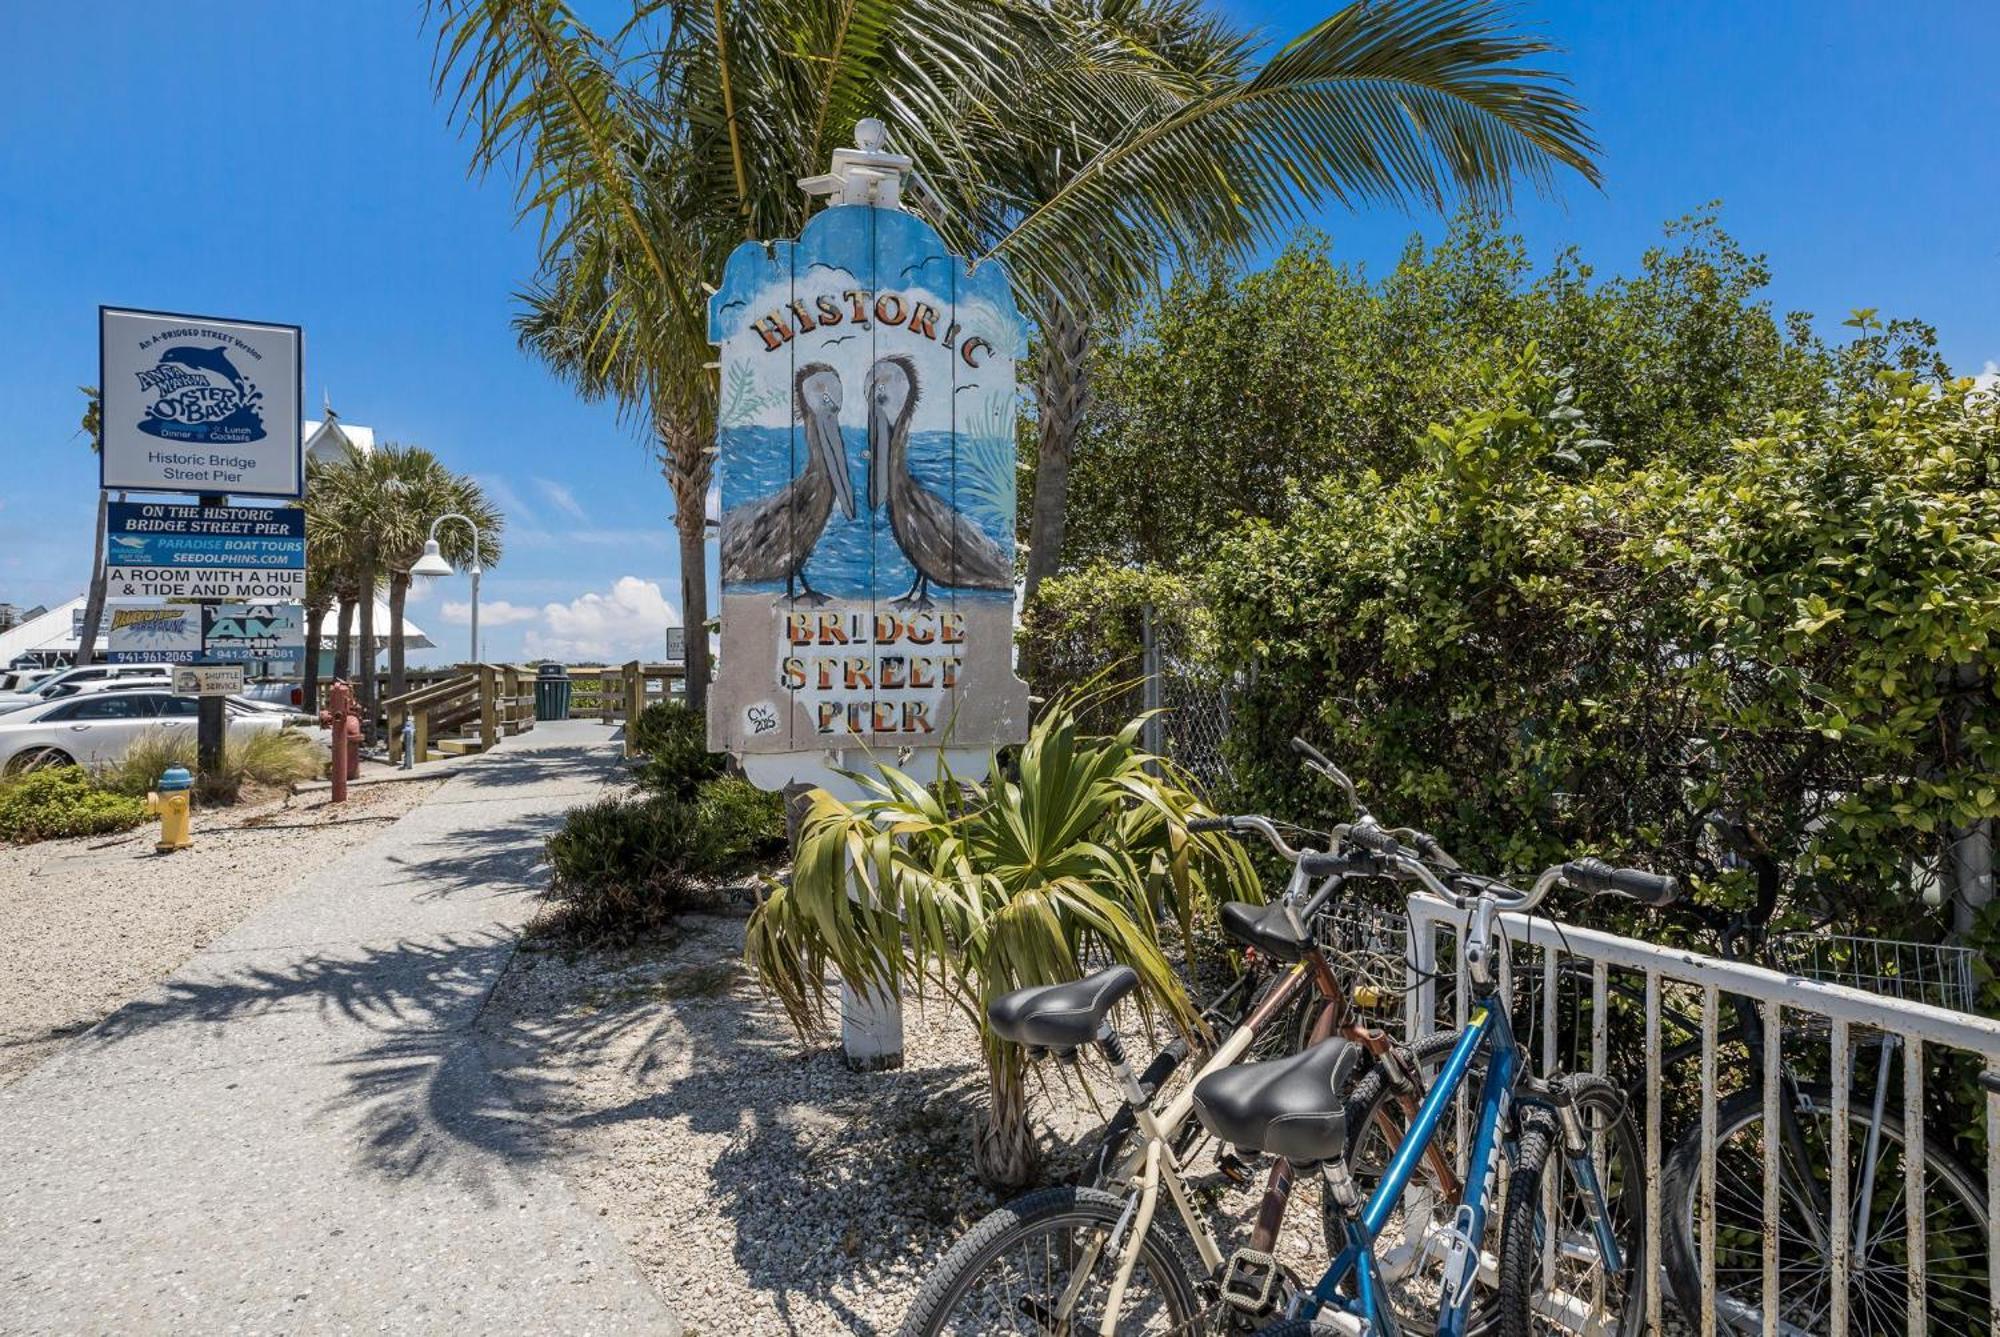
column 96, row 728
column 62, row 683
column 22, row 679
column 63, row 691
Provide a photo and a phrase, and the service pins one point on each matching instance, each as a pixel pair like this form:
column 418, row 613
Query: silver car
column 95, row 728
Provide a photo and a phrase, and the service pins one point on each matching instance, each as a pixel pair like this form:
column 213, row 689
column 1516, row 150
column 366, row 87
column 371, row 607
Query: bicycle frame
column 1487, row 1030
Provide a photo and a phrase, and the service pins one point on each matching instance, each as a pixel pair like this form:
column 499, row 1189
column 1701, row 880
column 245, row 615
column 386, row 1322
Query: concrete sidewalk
column 297, row 1132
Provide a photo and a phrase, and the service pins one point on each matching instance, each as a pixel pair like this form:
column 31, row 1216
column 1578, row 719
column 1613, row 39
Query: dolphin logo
column 205, row 359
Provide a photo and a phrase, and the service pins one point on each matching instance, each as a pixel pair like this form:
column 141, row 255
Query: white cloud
column 1988, row 378
column 492, row 613
column 628, row 621
column 561, row 498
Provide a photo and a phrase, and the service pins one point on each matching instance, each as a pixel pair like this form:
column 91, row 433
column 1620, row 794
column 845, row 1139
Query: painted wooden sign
column 866, row 457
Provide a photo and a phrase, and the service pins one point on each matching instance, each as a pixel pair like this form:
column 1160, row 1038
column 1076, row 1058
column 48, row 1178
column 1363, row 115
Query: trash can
column 552, row 687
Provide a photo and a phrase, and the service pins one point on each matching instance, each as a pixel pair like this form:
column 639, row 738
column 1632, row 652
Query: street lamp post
column 432, row 563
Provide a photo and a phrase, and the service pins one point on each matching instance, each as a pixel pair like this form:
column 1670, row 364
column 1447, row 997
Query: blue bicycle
column 1570, row 1256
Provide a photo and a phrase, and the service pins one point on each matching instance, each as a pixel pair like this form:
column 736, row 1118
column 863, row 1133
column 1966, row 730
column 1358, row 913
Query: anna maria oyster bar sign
column 198, row 404
column 866, row 457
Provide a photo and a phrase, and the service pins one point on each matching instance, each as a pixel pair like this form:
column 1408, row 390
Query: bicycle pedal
column 1233, row 1167
column 1249, row 1281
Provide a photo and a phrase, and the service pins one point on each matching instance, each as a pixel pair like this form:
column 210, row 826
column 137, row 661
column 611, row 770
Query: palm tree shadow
column 859, row 1168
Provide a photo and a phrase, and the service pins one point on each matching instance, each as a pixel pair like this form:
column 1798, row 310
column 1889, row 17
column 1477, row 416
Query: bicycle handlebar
column 1594, row 875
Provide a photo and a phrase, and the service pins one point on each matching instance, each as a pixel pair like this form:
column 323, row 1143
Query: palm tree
column 421, row 489
column 643, row 186
column 1084, row 144
column 92, row 426
column 1020, row 881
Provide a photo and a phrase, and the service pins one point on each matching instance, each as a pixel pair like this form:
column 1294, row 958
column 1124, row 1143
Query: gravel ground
column 763, row 1186
column 93, row 921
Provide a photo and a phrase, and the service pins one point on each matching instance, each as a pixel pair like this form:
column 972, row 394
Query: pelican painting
column 772, row 537
column 944, row 547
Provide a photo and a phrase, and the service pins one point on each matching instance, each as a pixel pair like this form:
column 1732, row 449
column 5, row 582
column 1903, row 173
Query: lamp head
column 432, row 563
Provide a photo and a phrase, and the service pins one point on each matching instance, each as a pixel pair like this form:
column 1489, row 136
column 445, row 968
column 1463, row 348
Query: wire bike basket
column 1911, row 972
column 1368, row 947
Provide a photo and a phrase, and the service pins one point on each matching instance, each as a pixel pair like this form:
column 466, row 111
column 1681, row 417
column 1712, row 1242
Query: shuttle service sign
column 194, row 404
column 866, row 458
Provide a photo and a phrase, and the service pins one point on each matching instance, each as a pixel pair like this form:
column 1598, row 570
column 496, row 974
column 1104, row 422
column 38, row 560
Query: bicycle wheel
column 1553, row 1273
column 1039, row 1265
column 1956, row 1225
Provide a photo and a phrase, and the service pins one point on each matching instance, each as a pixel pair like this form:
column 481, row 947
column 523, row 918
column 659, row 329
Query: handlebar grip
column 1209, row 824
column 1313, row 863
column 1655, row 889
column 1427, row 845
column 1374, row 839
column 1308, row 751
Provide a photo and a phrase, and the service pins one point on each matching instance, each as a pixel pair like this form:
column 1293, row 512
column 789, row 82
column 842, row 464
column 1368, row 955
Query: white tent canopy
column 56, row 632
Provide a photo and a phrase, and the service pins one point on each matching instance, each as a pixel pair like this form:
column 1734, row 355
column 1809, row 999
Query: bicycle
column 1063, row 1235
column 1957, row 1226
column 1570, row 1245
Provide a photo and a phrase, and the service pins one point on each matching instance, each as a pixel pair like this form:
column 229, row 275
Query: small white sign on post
column 196, row 404
column 208, row 679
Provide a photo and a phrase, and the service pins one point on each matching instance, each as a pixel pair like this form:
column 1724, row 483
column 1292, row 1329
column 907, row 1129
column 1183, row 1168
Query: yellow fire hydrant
column 170, row 804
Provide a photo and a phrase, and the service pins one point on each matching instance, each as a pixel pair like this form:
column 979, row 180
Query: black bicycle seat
column 1273, row 929
column 1060, row 1016
column 1295, row 1107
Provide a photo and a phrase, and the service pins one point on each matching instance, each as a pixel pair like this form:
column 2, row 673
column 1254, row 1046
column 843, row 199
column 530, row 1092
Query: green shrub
column 265, row 758
column 622, row 866
column 62, row 801
column 749, row 824
column 672, row 743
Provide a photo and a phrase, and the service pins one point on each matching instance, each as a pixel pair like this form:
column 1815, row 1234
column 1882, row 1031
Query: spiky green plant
column 1074, row 861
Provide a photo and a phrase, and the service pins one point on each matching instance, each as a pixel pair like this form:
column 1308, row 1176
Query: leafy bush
column 1533, row 649
column 749, row 824
column 265, row 758
column 1085, row 635
column 61, row 801
column 672, row 743
column 622, row 866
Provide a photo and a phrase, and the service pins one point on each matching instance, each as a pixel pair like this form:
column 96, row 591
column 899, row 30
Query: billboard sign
column 148, row 533
column 167, row 634
column 866, row 453
column 198, row 404
column 271, row 635
column 249, row 554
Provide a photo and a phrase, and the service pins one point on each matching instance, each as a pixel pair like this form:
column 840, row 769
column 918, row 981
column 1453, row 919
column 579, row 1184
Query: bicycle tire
column 1739, row 1309
column 1165, row 1265
column 1522, row 1293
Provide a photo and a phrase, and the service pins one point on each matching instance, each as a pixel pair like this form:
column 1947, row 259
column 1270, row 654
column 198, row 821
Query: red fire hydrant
column 345, row 726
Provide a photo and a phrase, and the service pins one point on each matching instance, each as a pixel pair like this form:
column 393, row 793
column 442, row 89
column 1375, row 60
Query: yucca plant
column 1080, row 856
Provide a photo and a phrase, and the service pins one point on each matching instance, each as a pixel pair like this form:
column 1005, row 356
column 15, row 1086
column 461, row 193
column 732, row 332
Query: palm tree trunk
column 309, row 697
column 685, row 460
column 93, row 606
column 399, row 591
column 1062, row 391
column 343, row 641
column 1003, row 1149
column 364, row 686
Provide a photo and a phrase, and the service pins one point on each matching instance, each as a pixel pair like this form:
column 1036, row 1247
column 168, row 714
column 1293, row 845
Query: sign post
column 866, row 454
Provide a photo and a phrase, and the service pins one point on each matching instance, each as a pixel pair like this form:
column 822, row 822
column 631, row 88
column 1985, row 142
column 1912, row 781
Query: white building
column 324, row 439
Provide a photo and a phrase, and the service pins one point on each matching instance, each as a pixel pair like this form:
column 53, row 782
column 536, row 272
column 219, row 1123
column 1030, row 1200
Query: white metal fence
column 1608, row 1004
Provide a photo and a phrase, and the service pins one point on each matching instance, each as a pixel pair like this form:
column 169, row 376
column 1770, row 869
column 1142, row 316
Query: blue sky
column 287, row 162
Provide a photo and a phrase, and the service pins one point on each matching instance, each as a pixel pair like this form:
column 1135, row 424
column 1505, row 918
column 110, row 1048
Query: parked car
column 21, row 679
column 277, row 691
column 94, row 728
column 63, row 691
column 51, row 688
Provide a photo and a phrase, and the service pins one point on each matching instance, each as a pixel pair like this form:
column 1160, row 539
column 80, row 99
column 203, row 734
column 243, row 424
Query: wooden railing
column 497, row 699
